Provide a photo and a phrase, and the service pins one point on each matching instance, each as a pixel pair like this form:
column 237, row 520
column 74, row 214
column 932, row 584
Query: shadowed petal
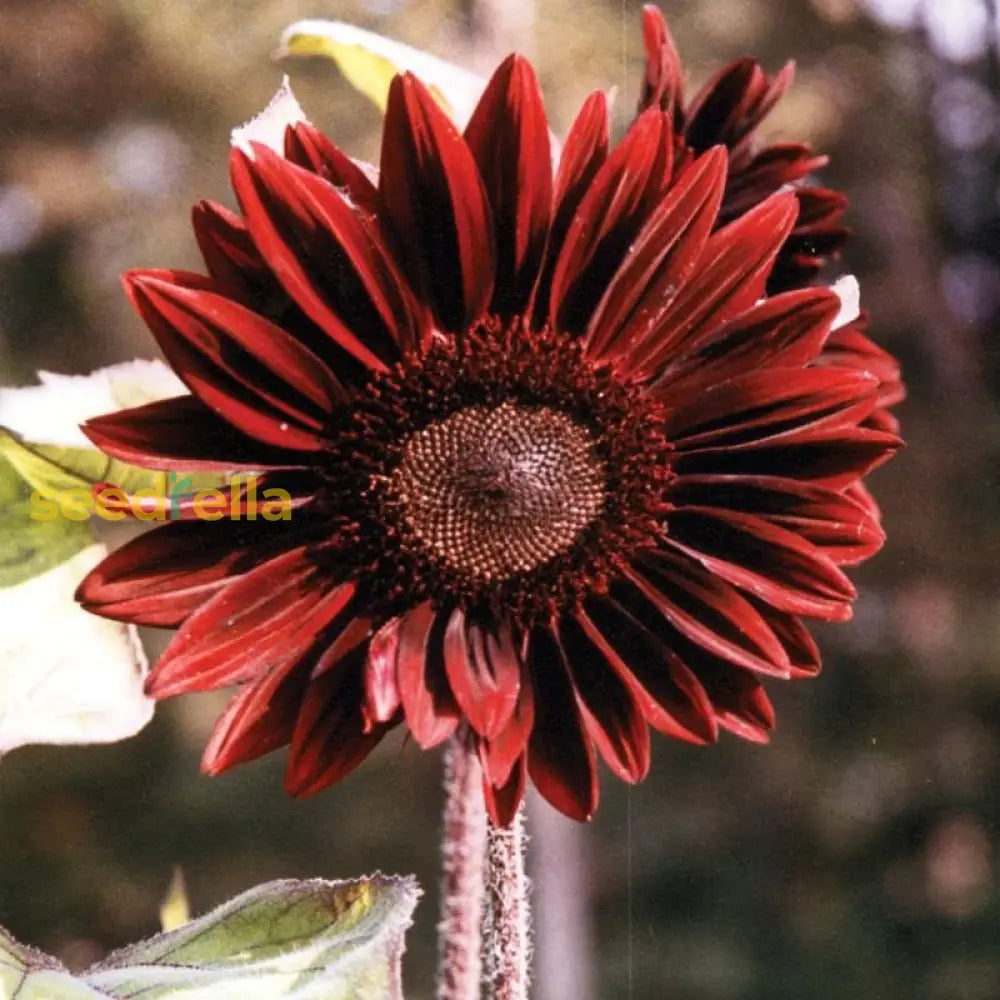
column 272, row 611
column 610, row 709
column 242, row 366
column 502, row 800
column 764, row 406
column 182, row 433
column 328, row 256
column 710, row 612
column 161, row 577
column 258, row 719
column 772, row 563
column 660, row 260
column 561, row 758
column 332, row 735
column 619, row 201
column 665, row 688
column 509, row 139
column 583, row 155
column 432, row 192
column 413, row 641
column 786, row 331
column 729, row 279
column 484, row 672
column 843, row 527
column 307, row 147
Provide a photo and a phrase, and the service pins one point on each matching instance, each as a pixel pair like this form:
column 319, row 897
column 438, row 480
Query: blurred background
column 856, row 855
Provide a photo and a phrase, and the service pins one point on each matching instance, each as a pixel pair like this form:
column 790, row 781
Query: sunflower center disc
column 497, row 491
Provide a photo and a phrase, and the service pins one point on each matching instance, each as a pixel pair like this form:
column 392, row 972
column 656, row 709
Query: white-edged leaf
column 848, row 291
column 27, row 974
column 286, row 940
column 52, row 411
column 269, row 126
column 369, row 62
column 66, row 676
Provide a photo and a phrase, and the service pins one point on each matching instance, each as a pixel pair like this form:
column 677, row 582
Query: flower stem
column 463, row 850
column 507, row 918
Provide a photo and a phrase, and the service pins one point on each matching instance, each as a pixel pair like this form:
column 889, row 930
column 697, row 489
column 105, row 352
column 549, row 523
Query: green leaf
column 28, row 974
column 66, row 676
column 287, row 940
column 30, row 547
column 370, row 61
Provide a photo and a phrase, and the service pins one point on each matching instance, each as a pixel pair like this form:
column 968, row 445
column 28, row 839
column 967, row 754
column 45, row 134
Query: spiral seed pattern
column 493, row 492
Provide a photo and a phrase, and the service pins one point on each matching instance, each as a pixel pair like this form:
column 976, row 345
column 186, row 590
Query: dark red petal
column 502, row 800
column 502, row 752
column 332, row 735
column 741, row 704
column 733, row 103
column 433, row 194
column 583, row 154
column 835, row 458
column 614, row 209
column 484, row 672
column 307, row 147
column 659, row 261
column 770, row 169
column 663, row 86
column 183, row 434
column 327, row 255
column 665, row 688
column 785, row 331
column 561, row 758
column 239, row 364
column 274, row 611
column 710, row 612
column 730, row 277
column 763, row 406
column 509, row 138
column 610, row 709
column 800, row 645
column 258, row 719
column 844, row 528
column 414, row 641
column 382, row 697
column 159, row 578
column 232, row 259
column 772, row 563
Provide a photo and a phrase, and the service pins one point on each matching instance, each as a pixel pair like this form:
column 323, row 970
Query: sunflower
column 560, row 472
column 727, row 111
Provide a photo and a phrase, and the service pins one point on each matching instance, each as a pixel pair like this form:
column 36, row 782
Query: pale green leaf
column 66, row 676
column 369, row 62
column 287, row 940
column 27, row 974
column 52, row 411
column 29, row 547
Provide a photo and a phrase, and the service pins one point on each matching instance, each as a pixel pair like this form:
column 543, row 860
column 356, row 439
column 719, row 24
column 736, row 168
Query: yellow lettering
column 279, row 505
column 209, row 504
column 43, row 508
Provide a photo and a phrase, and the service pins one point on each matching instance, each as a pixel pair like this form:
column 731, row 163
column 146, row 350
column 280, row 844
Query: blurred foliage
column 853, row 857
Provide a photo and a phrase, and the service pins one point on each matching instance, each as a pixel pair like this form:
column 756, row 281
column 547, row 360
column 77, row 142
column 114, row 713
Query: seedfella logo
column 171, row 498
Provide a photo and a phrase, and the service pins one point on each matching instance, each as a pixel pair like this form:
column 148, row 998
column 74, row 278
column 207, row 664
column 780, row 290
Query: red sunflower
column 727, row 111
column 560, row 472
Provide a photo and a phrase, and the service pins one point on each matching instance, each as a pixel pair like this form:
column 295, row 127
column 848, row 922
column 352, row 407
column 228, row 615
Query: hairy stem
column 507, row 918
column 463, row 851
